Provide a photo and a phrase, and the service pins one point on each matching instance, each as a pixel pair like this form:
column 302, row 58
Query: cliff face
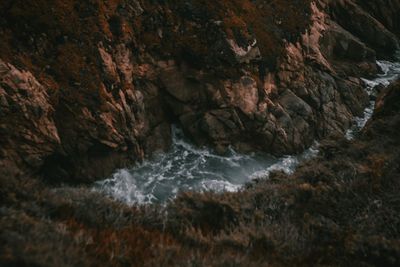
column 89, row 86
column 339, row 209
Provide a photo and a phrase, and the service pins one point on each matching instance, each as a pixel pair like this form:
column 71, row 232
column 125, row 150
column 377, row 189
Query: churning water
column 390, row 71
column 187, row 168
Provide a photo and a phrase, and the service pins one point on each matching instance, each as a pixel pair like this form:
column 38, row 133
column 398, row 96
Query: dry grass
column 339, row 209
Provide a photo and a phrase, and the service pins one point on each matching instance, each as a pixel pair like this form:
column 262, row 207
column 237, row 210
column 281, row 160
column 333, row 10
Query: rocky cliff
column 339, row 209
column 89, row 86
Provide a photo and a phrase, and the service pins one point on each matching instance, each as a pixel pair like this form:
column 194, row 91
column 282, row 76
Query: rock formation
column 339, row 209
column 101, row 83
column 90, row 86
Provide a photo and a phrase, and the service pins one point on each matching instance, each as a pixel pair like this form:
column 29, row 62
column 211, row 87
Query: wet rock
column 376, row 91
column 260, row 76
column 213, row 127
column 159, row 140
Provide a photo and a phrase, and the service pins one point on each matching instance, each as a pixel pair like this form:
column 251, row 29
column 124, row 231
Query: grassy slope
column 341, row 208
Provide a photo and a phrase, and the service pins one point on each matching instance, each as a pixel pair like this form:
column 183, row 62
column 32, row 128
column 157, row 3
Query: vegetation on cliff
column 89, row 86
column 341, row 208
column 100, row 63
column 114, row 76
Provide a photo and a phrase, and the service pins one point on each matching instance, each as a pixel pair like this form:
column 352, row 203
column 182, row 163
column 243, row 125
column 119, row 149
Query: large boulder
column 28, row 131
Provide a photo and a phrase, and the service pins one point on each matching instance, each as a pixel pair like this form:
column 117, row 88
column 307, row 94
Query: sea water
column 390, row 72
column 188, row 168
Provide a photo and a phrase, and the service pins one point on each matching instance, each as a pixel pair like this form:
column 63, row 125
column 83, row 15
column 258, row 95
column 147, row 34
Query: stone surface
column 112, row 77
column 28, row 131
column 362, row 24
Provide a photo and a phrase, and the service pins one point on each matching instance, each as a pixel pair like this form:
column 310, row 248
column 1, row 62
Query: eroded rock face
column 103, row 82
column 368, row 28
column 115, row 131
column 28, row 131
column 385, row 12
column 307, row 96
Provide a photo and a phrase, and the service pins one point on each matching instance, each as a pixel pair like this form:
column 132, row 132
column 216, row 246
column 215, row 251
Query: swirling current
column 188, row 168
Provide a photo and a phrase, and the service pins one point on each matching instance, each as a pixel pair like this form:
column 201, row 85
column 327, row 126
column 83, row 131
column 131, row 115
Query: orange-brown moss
column 270, row 22
column 138, row 244
column 337, row 209
column 340, row 208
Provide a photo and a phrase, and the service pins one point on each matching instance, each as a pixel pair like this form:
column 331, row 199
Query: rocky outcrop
column 114, row 76
column 27, row 127
column 89, row 86
column 368, row 28
column 304, row 97
column 385, row 12
column 341, row 208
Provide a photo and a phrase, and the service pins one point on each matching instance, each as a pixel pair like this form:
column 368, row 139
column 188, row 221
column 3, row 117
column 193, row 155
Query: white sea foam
column 287, row 164
column 188, row 168
column 391, row 71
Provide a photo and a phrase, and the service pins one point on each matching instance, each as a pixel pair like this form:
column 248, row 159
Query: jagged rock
column 28, row 131
column 178, row 85
column 385, row 12
column 361, row 23
column 248, row 74
column 342, row 44
column 243, row 94
column 247, row 54
column 294, row 105
column 90, row 86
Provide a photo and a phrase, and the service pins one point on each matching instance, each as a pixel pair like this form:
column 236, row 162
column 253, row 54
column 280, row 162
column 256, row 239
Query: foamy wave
column 391, row 71
column 188, row 168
